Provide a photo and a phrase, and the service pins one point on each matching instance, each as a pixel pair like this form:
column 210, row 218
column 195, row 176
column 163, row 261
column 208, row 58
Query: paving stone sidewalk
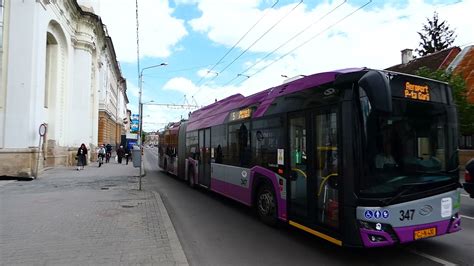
column 96, row 216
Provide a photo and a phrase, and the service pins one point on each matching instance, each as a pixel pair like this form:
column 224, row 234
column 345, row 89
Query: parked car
column 469, row 178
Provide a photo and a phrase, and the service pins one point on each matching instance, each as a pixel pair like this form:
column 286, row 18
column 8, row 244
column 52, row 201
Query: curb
column 176, row 248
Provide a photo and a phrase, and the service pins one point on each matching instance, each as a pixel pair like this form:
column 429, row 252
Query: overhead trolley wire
column 310, row 39
column 180, row 70
column 261, row 36
column 241, row 38
column 285, row 43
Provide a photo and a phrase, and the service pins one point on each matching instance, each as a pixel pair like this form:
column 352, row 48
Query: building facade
column 112, row 100
column 152, row 138
column 55, row 57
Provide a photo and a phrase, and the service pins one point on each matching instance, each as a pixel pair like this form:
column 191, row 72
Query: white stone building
column 57, row 67
column 112, row 99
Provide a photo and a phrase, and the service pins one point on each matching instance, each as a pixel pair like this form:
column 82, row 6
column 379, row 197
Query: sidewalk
column 88, row 217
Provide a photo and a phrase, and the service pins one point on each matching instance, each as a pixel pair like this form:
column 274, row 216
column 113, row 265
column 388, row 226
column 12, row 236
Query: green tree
column 458, row 86
column 435, row 36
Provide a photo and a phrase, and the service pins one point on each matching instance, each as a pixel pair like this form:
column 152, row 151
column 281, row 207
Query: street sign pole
column 42, row 132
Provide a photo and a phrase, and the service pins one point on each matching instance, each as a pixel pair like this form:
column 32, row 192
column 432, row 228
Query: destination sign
column 241, row 114
column 417, row 92
column 412, row 88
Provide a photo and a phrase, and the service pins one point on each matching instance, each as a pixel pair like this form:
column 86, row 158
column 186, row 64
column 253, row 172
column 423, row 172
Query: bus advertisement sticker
column 280, row 156
column 446, row 207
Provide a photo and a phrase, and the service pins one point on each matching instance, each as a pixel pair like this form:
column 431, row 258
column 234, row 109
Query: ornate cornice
column 84, row 42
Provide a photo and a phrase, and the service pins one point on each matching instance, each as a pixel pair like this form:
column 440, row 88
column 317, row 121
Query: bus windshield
column 406, row 147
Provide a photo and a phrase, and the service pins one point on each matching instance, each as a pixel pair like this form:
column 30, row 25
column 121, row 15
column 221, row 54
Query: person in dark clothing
column 81, row 157
column 243, row 143
column 108, row 152
column 120, row 154
column 219, row 154
column 127, row 154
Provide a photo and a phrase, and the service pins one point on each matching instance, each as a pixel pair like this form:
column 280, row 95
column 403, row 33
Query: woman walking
column 81, row 157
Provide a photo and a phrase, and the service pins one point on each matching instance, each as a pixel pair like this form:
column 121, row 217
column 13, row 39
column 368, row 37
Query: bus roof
column 216, row 113
column 172, row 128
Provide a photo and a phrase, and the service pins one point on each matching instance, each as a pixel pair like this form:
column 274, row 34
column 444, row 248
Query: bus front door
column 313, row 188
column 299, row 168
column 325, row 136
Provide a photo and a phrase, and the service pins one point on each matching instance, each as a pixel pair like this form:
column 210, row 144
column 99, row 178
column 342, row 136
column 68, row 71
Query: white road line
column 465, row 195
column 467, row 217
column 433, row 258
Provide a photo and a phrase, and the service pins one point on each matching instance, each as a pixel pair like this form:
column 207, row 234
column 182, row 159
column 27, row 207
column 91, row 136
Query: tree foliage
column 458, row 86
column 435, row 36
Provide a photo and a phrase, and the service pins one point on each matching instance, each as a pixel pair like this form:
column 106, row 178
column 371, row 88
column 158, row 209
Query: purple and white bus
column 358, row 157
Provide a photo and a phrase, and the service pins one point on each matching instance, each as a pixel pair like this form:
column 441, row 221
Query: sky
column 217, row 48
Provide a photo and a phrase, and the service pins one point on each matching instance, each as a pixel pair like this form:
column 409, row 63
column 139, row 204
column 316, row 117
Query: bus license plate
column 424, row 233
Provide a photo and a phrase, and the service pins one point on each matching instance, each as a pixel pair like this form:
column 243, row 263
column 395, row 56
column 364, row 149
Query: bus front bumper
column 379, row 238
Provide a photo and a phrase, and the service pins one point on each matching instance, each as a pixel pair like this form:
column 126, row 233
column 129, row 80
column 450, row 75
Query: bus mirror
column 377, row 88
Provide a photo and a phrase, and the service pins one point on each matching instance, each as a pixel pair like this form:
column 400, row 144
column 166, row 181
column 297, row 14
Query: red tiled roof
column 434, row 61
column 465, row 68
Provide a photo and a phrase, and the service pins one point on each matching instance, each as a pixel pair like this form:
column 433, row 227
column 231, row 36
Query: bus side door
column 205, row 157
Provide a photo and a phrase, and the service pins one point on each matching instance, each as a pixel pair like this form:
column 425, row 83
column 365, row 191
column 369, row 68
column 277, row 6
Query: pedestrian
column 127, row 154
column 101, row 154
column 108, row 152
column 81, row 157
column 120, row 154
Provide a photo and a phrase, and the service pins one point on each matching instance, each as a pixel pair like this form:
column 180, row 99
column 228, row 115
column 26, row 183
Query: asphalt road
column 214, row 230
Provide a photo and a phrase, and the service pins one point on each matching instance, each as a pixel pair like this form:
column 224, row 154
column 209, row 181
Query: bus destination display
column 242, row 114
column 417, row 92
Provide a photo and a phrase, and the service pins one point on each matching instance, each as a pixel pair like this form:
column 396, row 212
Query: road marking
column 465, row 195
column 433, row 258
column 467, row 217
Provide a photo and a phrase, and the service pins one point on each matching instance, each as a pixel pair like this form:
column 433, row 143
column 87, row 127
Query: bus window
column 415, row 135
column 267, row 138
column 239, row 145
column 327, row 169
column 192, row 144
column 219, row 142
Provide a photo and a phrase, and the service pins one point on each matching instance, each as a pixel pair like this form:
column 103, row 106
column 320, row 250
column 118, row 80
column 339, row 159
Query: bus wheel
column 266, row 205
column 190, row 176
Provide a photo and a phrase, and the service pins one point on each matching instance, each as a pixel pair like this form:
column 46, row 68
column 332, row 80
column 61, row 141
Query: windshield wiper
column 404, row 190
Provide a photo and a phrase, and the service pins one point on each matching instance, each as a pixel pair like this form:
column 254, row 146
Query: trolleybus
column 358, row 157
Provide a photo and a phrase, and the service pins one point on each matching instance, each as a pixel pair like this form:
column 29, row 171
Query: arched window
column 51, row 67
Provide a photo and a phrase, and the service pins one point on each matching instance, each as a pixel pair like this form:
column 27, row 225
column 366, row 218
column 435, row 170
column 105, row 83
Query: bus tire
column 266, row 205
column 190, row 176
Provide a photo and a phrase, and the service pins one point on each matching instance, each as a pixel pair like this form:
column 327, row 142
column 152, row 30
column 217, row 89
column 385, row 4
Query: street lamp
column 140, row 116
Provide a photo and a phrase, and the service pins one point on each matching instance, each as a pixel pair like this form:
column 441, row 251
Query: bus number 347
column 406, row 215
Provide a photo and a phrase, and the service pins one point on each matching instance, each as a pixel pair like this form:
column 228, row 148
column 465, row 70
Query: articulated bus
column 358, row 157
